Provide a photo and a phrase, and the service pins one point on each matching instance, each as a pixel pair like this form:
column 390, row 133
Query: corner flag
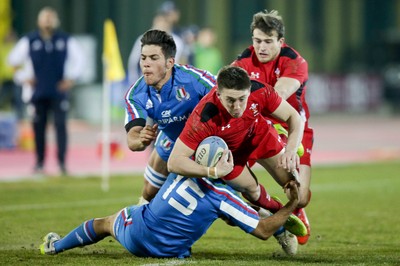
column 113, row 71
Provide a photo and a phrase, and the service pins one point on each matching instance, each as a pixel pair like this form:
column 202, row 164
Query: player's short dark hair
column 162, row 39
column 268, row 22
column 233, row 77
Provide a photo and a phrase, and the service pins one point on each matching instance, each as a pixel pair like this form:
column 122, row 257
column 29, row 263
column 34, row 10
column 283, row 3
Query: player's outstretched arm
column 286, row 87
column 268, row 226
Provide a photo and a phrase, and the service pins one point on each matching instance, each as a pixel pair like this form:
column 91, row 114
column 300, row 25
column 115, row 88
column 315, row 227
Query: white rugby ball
column 210, row 151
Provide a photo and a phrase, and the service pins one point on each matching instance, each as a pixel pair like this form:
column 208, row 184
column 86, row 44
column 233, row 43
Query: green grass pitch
column 354, row 215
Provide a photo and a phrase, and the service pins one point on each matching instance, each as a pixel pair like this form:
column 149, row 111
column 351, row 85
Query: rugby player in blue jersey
column 175, row 219
column 166, row 95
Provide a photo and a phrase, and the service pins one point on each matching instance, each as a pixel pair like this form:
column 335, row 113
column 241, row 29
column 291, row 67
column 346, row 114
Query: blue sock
column 81, row 236
column 279, row 231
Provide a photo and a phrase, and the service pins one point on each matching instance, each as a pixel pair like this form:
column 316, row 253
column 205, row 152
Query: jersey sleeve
column 195, row 130
column 270, row 100
column 295, row 68
column 75, row 62
column 20, row 53
column 135, row 108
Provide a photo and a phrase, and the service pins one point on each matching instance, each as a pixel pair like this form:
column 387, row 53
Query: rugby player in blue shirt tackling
column 181, row 212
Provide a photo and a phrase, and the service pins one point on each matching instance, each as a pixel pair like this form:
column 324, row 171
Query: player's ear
column 281, row 41
column 170, row 63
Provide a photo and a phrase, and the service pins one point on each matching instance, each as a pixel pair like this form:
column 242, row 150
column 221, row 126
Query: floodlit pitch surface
column 354, row 216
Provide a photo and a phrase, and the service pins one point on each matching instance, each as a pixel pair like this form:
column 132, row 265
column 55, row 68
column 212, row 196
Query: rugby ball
column 210, row 151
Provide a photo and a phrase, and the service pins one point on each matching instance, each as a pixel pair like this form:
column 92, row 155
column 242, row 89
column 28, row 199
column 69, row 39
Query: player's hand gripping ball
column 210, row 151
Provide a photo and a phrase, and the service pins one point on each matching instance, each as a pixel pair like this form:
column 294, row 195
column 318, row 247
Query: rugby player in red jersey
column 272, row 61
column 234, row 110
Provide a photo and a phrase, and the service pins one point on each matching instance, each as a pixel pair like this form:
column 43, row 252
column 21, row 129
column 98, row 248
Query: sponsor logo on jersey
column 166, row 113
column 182, row 94
column 254, row 75
column 277, row 72
column 227, row 126
column 149, row 104
column 254, row 109
column 172, row 119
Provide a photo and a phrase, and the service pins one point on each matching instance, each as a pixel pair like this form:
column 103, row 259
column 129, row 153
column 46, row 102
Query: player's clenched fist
column 148, row 134
column 140, row 137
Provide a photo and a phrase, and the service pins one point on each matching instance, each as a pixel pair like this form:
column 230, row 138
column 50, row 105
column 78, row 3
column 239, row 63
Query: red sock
column 265, row 201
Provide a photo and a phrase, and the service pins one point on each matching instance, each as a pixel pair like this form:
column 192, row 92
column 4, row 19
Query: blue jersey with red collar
column 171, row 106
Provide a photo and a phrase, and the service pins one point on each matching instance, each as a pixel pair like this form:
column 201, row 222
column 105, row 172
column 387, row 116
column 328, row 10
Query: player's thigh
column 244, row 182
column 280, row 174
column 157, row 163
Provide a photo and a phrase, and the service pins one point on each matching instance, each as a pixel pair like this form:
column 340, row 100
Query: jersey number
column 182, row 191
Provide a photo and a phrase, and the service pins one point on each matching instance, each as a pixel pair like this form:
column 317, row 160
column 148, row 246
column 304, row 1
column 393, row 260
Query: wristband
column 215, row 176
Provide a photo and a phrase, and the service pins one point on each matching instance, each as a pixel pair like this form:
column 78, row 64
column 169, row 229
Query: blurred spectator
column 189, row 36
column 10, row 93
column 206, row 55
column 166, row 18
column 51, row 61
column 172, row 14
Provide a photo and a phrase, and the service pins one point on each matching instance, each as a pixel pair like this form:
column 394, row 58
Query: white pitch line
column 57, row 205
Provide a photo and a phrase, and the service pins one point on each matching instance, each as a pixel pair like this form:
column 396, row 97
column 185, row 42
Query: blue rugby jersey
column 179, row 215
column 172, row 105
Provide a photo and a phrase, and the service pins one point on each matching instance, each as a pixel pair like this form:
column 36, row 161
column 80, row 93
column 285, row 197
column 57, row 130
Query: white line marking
column 57, row 205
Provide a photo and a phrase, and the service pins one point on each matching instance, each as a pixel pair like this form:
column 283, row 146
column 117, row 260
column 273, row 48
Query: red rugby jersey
column 210, row 118
column 289, row 64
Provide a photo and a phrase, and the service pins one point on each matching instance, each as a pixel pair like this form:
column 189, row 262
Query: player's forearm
column 182, row 165
column 296, row 128
column 285, row 87
column 268, row 226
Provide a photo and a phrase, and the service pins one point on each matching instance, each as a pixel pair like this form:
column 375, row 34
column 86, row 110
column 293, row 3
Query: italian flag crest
column 181, row 94
column 166, row 144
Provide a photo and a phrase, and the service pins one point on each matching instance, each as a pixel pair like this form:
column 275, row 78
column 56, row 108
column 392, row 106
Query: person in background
column 57, row 61
column 270, row 60
column 189, row 37
column 10, row 92
column 206, row 55
column 166, row 18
